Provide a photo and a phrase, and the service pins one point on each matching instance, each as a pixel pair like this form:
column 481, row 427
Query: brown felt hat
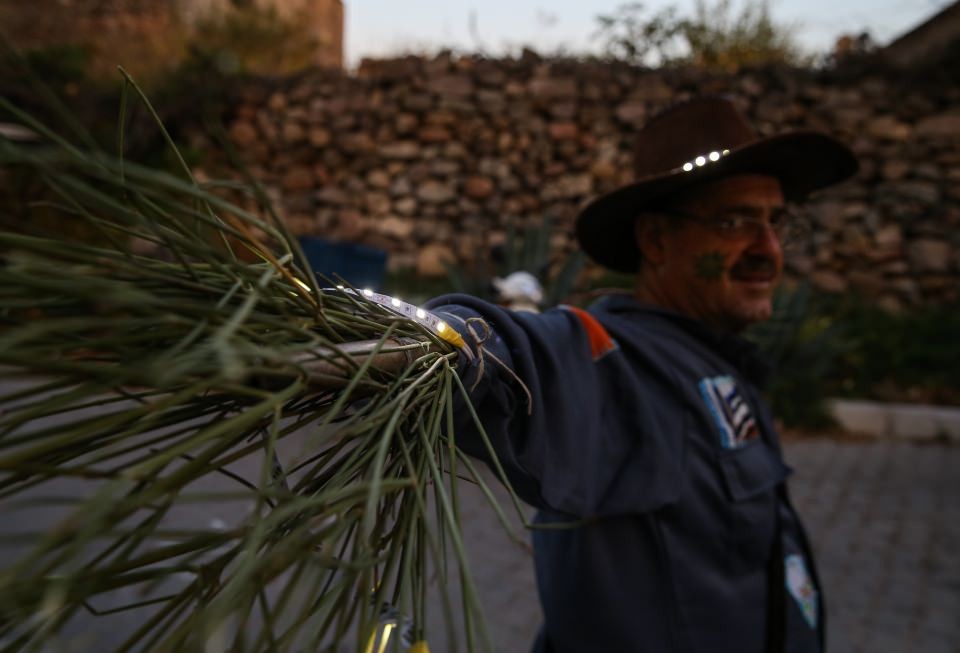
column 697, row 141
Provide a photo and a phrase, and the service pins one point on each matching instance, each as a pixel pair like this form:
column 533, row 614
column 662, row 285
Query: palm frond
column 141, row 390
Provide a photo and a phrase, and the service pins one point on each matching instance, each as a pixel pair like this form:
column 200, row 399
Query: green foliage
column 911, row 356
column 720, row 39
column 54, row 86
column 133, row 382
column 59, row 65
column 631, row 35
column 527, row 250
column 715, row 36
column 804, row 348
column 824, row 347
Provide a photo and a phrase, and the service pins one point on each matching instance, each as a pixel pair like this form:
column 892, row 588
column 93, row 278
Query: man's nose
column 766, row 238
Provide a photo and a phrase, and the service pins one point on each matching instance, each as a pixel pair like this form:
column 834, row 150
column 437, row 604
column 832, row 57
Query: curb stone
column 900, row 421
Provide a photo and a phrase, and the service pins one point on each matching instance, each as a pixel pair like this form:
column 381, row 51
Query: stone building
column 322, row 20
column 156, row 34
column 929, row 44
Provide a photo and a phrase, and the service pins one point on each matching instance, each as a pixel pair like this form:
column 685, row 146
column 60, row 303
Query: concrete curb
column 901, row 421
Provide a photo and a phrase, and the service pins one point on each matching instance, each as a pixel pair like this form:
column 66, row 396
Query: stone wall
column 431, row 158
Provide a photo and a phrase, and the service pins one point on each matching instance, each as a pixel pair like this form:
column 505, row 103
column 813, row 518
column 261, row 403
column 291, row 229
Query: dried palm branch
column 137, row 391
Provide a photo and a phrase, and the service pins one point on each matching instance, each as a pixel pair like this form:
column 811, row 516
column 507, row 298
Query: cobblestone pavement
column 885, row 521
column 884, row 517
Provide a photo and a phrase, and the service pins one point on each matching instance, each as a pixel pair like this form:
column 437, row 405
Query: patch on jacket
column 600, row 341
column 801, row 587
column 731, row 412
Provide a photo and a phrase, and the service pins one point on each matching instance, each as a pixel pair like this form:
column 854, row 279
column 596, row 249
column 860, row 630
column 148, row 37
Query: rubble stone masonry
column 430, row 158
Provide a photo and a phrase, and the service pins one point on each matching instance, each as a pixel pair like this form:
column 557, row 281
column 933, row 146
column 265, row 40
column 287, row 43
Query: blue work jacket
column 648, row 428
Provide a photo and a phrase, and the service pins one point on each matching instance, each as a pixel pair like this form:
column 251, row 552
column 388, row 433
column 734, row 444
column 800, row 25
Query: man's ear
column 648, row 230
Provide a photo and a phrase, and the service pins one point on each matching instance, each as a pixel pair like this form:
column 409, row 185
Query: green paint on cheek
column 710, row 266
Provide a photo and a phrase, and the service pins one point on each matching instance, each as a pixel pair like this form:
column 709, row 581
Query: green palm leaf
column 146, row 396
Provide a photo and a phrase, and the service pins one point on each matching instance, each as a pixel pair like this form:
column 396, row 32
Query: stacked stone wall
column 431, row 159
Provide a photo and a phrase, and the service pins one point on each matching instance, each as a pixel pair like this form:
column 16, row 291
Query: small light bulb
column 340, row 288
column 368, row 292
column 700, row 160
column 725, row 152
column 385, row 640
column 441, row 326
column 421, row 313
column 687, row 167
column 714, row 156
column 395, row 302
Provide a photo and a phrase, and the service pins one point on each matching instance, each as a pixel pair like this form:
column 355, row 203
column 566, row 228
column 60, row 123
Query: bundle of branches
column 130, row 381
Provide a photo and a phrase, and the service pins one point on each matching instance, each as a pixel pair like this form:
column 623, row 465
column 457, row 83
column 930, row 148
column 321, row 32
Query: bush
column 912, row 356
column 824, row 347
column 804, row 346
column 714, row 37
column 60, row 65
column 719, row 39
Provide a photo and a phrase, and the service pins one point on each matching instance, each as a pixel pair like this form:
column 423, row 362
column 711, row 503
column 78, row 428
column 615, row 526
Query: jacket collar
column 738, row 351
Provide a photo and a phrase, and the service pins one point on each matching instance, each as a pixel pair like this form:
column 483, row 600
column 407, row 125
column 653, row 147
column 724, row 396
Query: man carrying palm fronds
column 643, row 420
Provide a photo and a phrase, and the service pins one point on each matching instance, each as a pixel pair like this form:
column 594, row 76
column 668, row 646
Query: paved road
column 884, row 516
column 885, row 520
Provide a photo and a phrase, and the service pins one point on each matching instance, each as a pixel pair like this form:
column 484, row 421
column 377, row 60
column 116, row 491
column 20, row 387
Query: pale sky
column 387, row 27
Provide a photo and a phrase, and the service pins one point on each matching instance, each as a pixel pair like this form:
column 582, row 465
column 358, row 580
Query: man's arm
column 332, row 369
column 578, row 427
column 573, row 425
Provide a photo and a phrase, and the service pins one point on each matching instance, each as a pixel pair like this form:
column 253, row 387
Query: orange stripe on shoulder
column 600, row 341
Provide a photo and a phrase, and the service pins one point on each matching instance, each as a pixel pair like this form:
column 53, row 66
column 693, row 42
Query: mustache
column 753, row 264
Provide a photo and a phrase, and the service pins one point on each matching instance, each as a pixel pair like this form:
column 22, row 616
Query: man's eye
column 730, row 223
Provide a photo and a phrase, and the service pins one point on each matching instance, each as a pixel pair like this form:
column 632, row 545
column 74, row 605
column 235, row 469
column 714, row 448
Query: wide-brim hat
column 697, row 141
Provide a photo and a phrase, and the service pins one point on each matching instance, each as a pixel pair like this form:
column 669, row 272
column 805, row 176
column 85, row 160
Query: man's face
column 716, row 259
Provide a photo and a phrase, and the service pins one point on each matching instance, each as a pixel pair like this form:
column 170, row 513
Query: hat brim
column 802, row 162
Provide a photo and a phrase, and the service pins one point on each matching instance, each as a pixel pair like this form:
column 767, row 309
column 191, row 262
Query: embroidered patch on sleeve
column 801, row 587
column 731, row 412
column 600, row 341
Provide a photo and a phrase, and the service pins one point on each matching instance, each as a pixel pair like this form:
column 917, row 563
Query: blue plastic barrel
column 363, row 266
